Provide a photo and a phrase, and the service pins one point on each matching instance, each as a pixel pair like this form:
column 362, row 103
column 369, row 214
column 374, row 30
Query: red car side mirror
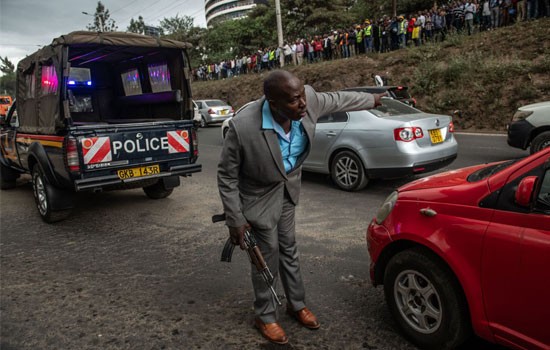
column 524, row 192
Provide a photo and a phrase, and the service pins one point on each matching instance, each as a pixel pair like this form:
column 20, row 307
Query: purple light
column 71, row 82
column 89, row 83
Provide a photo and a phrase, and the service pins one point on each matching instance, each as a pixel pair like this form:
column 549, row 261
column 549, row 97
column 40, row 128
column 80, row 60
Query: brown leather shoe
column 271, row 331
column 305, row 317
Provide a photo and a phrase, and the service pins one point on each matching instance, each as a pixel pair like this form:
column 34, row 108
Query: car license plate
column 138, row 172
column 224, row 111
column 435, row 136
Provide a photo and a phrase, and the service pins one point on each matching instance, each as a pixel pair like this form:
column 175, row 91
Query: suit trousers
column 278, row 246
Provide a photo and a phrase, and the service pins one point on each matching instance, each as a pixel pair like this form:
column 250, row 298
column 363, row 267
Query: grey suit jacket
column 251, row 175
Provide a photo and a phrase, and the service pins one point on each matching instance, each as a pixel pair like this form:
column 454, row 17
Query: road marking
column 478, row 133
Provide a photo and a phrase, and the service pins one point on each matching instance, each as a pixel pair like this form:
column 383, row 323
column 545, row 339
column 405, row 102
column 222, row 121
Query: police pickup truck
column 100, row 111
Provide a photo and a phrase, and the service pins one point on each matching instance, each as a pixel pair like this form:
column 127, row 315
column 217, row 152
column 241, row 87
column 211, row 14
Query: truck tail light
column 451, row 127
column 71, row 155
column 195, row 143
column 408, row 134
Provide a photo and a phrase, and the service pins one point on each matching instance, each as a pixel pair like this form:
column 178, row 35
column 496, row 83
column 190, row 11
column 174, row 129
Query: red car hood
column 446, row 179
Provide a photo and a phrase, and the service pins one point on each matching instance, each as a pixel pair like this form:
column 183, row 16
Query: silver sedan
column 390, row 141
column 393, row 140
column 213, row 111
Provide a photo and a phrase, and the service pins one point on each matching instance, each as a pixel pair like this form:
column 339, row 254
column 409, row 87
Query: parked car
column 390, row 141
column 468, row 250
column 530, row 127
column 197, row 117
column 400, row 93
column 225, row 124
column 5, row 103
column 393, row 140
column 214, row 111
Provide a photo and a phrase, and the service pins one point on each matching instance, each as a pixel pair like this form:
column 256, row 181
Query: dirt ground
column 486, row 76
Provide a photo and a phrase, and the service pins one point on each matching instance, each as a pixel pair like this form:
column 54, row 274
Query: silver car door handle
column 331, row 133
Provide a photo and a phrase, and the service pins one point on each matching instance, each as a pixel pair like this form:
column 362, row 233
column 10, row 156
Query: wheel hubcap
column 347, row 171
column 40, row 193
column 418, row 301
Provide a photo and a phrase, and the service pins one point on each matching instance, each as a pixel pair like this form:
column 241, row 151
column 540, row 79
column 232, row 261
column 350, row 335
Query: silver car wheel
column 347, row 171
column 418, row 301
column 40, row 194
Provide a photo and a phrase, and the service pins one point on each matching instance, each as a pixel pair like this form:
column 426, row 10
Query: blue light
column 89, row 83
column 71, row 82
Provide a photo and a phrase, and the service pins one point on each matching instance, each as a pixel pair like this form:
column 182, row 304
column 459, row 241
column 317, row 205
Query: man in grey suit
column 259, row 178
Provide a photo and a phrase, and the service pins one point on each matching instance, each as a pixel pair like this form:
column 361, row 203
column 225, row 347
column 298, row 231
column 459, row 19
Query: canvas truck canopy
column 96, row 77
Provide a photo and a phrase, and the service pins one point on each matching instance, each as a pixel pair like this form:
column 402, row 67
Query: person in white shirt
column 469, row 10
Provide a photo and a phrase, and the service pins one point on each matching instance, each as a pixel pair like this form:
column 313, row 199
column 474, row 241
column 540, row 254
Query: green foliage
column 136, row 26
column 246, row 35
column 7, row 80
column 6, row 66
column 378, row 8
column 102, row 20
column 177, row 27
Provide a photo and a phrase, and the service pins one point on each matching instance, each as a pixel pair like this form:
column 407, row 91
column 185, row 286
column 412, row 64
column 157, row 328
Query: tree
column 136, row 26
column 7, row 80
column 102, row 20
column 177, row 28
column 317, row 16
column 182, row 29
column 6, row 66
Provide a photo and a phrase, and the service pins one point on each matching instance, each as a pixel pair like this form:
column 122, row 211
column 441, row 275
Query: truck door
column 7, row 137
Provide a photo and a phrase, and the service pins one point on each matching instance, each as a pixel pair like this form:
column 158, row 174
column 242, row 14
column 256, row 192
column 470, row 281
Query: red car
column 468, row 251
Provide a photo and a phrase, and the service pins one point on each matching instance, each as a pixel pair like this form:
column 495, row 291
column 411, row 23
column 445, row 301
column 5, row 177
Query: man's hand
column 378, row 98
column 237, row 235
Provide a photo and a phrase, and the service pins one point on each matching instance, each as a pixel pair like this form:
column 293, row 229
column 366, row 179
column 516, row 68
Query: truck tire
column 43, row 192
column 157, row 191
column 541, row 141
column 8, row 177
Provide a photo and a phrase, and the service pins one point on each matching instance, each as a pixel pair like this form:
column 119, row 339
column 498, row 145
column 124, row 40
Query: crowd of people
column 382, row 35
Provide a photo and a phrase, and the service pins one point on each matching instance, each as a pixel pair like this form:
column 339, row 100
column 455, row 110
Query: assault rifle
column 254, row 255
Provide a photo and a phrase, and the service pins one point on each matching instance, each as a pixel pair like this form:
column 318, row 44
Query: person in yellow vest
column 359, row 48
column 368, row 37
column 402, row 31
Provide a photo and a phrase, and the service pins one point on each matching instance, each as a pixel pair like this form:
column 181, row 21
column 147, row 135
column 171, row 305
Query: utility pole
column 279, row 31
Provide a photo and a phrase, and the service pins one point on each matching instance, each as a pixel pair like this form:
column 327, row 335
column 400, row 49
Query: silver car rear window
column 391, row 108
column 216, row 103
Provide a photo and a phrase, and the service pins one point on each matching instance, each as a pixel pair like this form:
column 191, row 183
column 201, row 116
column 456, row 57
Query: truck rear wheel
column 8, row 177
column 157, row 191
column 43, row 192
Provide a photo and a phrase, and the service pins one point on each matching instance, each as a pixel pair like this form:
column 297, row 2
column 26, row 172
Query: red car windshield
column 489, row 170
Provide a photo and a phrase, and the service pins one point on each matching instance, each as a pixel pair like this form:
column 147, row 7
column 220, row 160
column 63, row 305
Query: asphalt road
column 127, row 272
